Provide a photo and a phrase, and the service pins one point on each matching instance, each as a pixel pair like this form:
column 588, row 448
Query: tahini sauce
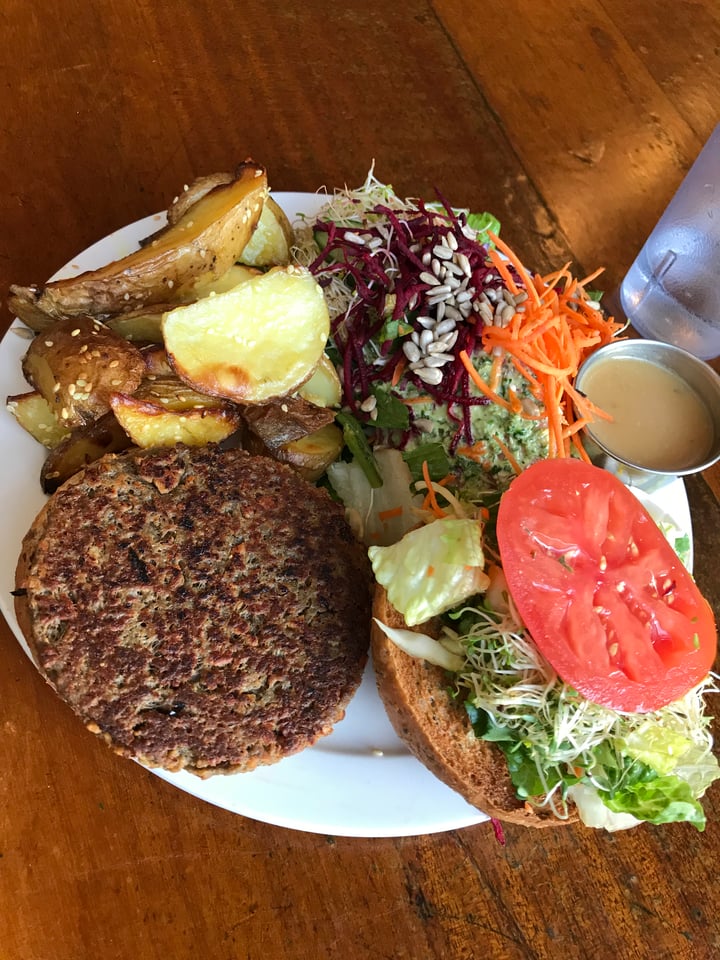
column 659, row 422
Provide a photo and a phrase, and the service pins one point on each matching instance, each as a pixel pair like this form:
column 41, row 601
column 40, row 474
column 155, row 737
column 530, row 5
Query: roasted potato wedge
column 156, row 361
column 34, row 414
column 140, row 326
column 259, row 341
column 145, row 325
column 202, row 244
column 77, row 364
column 84, row 445
column 272, row 240
column 165, row 411
column 323, row 388
column 313, row 454
column 273, row 237
column 195, row 192
column 274, row 424
column 237, row 274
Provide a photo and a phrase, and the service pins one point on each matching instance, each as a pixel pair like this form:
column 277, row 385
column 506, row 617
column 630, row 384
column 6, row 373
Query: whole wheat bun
column 437, row 730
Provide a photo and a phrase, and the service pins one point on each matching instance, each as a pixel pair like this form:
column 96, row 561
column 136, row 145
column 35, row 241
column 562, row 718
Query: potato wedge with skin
column 323, row 388
column 274, row 424
column 77, row 364
column 237, row 274
column 195, row 192
column 140, row 326
column 313, row 454
column 202, row 244
column 259, row 341
column 156, row 361
column 84, row 445
column 174, row 413
column 272, row 240
column 34, row 414
column 145, row 325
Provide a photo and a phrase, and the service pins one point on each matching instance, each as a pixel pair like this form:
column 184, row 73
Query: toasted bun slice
column 437, row 730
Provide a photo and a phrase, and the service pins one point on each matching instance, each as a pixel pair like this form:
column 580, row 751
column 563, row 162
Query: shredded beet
column 386, row 263
column 498, row 830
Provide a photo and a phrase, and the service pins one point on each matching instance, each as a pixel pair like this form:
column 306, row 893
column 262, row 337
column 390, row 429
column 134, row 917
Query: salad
column 457, row 367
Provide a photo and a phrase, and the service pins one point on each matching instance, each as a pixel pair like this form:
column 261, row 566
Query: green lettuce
column 483, row 223
column 432, row 569
column 662, row 800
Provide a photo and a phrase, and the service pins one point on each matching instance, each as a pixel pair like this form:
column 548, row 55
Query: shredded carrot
column 496, row 371
column 430, row 571
column 546, row 341
column 384, row 515
column 503, row 271
column 578, row 444
column 480, row 383
column 477, row 451
column 398, row 371
column 517, row 263
column 517, row 469
column 410, row 400
column 430, row 498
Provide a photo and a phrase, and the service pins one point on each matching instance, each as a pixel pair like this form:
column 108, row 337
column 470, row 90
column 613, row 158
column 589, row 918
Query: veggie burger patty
column 198, row 609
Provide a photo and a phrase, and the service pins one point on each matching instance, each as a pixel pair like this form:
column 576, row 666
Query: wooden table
column 574, row 122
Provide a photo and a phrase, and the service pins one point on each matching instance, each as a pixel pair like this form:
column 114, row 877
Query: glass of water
column 672, row 290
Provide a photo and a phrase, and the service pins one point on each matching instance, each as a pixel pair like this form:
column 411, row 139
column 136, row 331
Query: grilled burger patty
column 199, row 609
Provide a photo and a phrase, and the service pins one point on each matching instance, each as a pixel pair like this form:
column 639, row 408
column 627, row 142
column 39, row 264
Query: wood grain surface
column 574, row 122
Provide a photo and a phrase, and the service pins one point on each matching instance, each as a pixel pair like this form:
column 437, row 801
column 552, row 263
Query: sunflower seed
column 442, row 252
column 444, row 326
column 426, row 338
column 434, row 299
column 430, row 278
column 484, row 309
column 430, row 375
column 368, row 404
column 411, row 351
column 454, row 269
column 426, row 322
column 423, row 424
column 438, row 359
column 464, row 264
column 453, row 313
column 451, row 241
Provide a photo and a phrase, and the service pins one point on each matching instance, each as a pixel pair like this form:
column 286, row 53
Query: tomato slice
column 603, row 594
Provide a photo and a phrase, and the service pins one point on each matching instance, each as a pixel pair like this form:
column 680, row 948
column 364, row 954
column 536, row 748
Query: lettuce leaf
column 432, row 569
column 662, row 800
column 482, row 223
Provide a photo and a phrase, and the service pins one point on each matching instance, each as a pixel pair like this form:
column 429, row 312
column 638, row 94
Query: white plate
column 360, row 781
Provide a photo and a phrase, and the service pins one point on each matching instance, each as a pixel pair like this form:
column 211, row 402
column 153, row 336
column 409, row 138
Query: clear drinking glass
column 672, row 290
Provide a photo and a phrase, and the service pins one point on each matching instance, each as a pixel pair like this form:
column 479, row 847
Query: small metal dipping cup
column 700, row 377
